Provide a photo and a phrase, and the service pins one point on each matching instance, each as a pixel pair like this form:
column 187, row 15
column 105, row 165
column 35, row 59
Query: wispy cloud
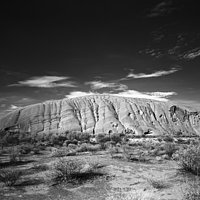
column 46, row 82
column 96, row 85
column 151, row 75
column 79, row 94
column 161, row 9
column 192, row 54
column 158, row 96
column 161, row 94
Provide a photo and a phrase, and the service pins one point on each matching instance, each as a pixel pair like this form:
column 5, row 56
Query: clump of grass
column 114, row 150
column 192, row 191
column 131, row 154
column 14, row 155
column 189, row 159
column 158, row 183
column 130, row 195
column 9, row 176
column 170, row 149
column 88, row 147
column 40, row 167
column 63, row 152
column 74, row 171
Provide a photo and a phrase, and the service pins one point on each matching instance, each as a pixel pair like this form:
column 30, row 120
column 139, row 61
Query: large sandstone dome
column 102, row 114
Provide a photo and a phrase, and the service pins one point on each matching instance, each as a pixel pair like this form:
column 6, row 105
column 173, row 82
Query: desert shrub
column 131, row 154
column 129, row 195
column 102, row 138
column 108, row 145
column 26, row 148
column 71, row 136
column 168, row 138
column 40, row 167
column 74, row 171
column 57, row 139
column 116, row 138
column 158, row 183
column 66, row 143
column 84, row 137
column 3, row 141
column 64, row 151
column 88, row 147
column 170, row 149
column 192, row 191
column 94, row 148
column 189, row 159
column 82, row 148
column 72, row 146
column 9, row 177
column 114, row 150
column 14, row 154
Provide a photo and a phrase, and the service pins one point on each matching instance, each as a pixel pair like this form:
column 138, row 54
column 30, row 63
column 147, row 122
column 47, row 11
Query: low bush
column 94, row 148
column 170, row 149
column 192, row 191
column 168, row 138
column 189, row 159
column 114, row 150
column 9, row 177
column 82, row 148
column 40, row 167
column 158, row 183
column 116, row 138
column 102, row 138
column 64, row 151
column 14, row 154
column 74, row 171
column 72, row 146
column 88, row 147
column 130, row 195
column 26, row 148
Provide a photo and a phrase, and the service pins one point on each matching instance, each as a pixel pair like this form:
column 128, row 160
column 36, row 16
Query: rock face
column 102, row 114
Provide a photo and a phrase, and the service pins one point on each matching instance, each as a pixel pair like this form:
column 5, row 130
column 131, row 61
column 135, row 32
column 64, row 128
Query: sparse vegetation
column 102, row 138
column 14, row 154
column 74, row 171
column 158, row 183
column 88, row 147
column 192, row 191
column 116, row 138
column 130, row 195
column 189, row 159
column 170, row 149
column 9, row 176
column 64, row 151
column 168, row 138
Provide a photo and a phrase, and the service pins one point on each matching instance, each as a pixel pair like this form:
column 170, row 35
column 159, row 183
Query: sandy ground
column 123, row 180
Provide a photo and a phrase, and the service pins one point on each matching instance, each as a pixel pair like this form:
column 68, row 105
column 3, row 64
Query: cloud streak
column 96, row 85
column 158, row 96
column 151, row 75
column 161, row 9
column 46, row 82
column 192, row 54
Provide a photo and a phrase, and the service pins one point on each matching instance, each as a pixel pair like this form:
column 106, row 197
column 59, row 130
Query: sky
column 63, row 49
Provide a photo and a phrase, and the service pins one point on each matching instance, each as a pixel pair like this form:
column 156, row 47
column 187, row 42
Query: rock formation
column 102, row 114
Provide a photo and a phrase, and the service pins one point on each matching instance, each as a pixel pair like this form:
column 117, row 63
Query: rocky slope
column 102, row 113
